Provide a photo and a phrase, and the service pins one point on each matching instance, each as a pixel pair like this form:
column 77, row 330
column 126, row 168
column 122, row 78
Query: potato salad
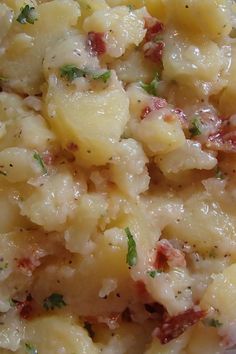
column 117, row 176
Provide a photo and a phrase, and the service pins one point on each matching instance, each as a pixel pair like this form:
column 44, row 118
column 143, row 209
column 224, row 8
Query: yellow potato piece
column 92, row 121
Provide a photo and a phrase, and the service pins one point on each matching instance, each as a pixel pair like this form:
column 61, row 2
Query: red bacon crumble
column 25, row 307
column 72, row 147
column 172, row 327
column 153, row 27
column 28, row 264
column 156, row 104
column 154, row 51
column 96, row 43
column 49, row 158
column 168, row 255
column 223, row 140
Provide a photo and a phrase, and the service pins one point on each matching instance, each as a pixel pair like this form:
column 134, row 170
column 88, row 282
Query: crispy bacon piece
column 25, row 307
column 223, row 140
column 72, row 147
column 96, row 43
column 49, row 158
column 154, row 51
column 182, row 117
column 28, row 264
column 172, row 327
column 168, row 255
column 156, row 104
column 153, row 27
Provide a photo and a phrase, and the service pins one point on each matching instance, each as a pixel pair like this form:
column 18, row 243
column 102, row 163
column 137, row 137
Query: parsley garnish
column 70, row 72
column 52, row 301
column 27, row 15
column 89, row 329
column 212, row 322
column 196, row 127
column 30, row 349
column 3, row 265
column 104, row 76
column 130, row 7
column 131, row 258
column 153, row 273
column 152, row 87
column 219, row 173
column 38, row 158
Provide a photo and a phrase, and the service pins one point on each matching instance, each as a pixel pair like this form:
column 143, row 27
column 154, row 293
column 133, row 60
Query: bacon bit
column 25, row 307
column 28, row 264
column 72, row 147
column 96, row 43
column 153, row 27
column 173, row 327
column 167, row 254
column 156, row 104
column 223, row 141
column 182, row 117
column 49, row 158
column 154, row 51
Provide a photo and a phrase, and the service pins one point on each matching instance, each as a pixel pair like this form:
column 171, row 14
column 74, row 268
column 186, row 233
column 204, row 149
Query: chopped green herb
column 52, row 301
column 153, row 273
column 130, row 7
column 38, row 158
column 3, row 173
column 152, row 87
column 219, row 174
column 89, row 329
column 158, row 38
column 70, row 72
column 212, row 322
column 131, row 258
column 196, row 127
column 3, row 265
column 27, row 15
column 30, row 349
column 104, row 76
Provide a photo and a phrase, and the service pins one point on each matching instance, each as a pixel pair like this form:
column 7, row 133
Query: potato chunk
column 88, row 123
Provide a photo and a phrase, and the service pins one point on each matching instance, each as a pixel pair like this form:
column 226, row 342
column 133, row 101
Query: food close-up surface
column 117, row 176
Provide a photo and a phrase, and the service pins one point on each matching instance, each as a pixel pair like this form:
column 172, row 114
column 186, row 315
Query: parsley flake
column 130, row 7
column 131, row 258
column 27, row 15
column 153, row 273
column 104, row 76
column 53, row 301
column 70, row 72
column 3, row 265
column 30, row 349
column 219, row 174
column 212, row 322
column 39, row 159
column 195, row 130
column 152, row 87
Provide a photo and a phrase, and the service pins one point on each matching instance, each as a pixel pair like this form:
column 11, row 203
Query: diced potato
column 52, row 202
column 128, row 168
column 11, row 106
column 174, row 347
column 90, row 122
column 12, row 332
column 71, row 49
column 205, row 338
column 124, row 68
column 221, row 296
column 55, row 18
column 123, row 28
column 205, row 225
column 210, row 18
column 192, row 62
column 187, row 157
column 48, row 335
column 227, row 100
column 87, row 7
column 6, row 17
column 78, row 236
column 18, row 165
column 161, row 132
